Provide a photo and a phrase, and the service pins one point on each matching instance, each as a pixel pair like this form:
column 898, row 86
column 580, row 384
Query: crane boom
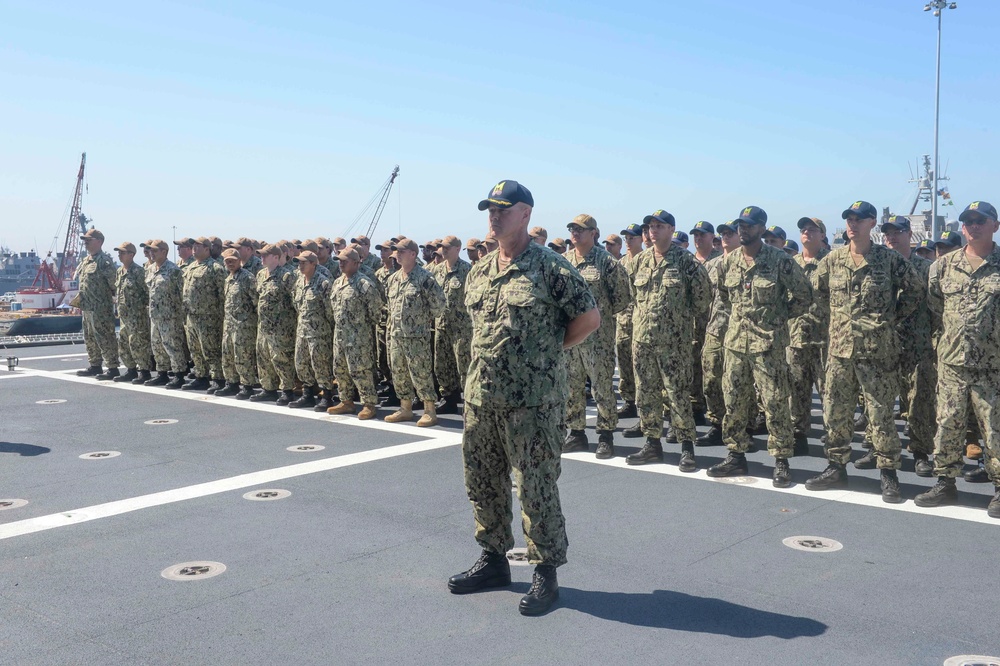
column 381, row 204
column 73, row 246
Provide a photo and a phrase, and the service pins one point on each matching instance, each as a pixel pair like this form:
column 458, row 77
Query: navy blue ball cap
column 703, row 227
column 862, row 209
column 776, row 231
column 505, row 194
column 680, row 237
column 661, row 216
column 926, row 244
column 791, row 245
column 752, row 215
column 950, row 238
column 984, row 208
column 898, row 222
column 632, row 230
column 727, row 226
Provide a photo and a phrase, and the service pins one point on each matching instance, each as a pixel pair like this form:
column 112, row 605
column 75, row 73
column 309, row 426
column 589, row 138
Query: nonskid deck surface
column 336, row 537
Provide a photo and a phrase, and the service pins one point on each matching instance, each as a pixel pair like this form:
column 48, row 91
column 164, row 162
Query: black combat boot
column 323, row 403
column 264, row 396
column 711, row 438
column 834, row 476
column 307, row 400
column 543, row 593
column 866, row 461
column 130, row 374
column 215, row 385
column 490, row 570
column 111, row 374
column 231, row 388
column 633, row 431
column 978, row 475
column 944, row 493
column 144, row 376
column 699, row 416
column 759, row 425
column 91, row 371
column 605, row 445
column 801, row 447
column 687, row 463
column 176, row 382
column 628, row 410
column 782, row 475
column 391, row 399
column 671, row 437
column 448, row 404
column 890, row 487
column 199, row 384
column 861, row 422
column 286, row 397
column 993, row 510
column 922, row 465
column 161, row 379
column 576, row 440
column 652, row 451
column 245, row 393
column 735, row 464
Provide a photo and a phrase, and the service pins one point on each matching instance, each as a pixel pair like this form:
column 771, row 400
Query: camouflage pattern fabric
column 453, row 329
column 254, row 265
column 203, row 281
column 332, row 266
column 595, row 357
column 132, row 301
column 412, row 366
column 917, row 369
column 623, row 339
column 878, row 379
column 371, row 263
column 712, row 353
column 239, row 329
column 96, row 275
column 276, row 321
column 381, row 341
column 807, row 335
column 356, row 306
column 314, row 334
column 768, row 372
column 415, row 301
column 166, row 316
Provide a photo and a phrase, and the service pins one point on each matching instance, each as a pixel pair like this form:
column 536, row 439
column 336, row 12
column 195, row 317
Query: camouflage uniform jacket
column 519, row 319
column 866, row 301
column 355, row 305
column 382, row 282
column 203, row 288
column 131, row 292
column 241, row 298
column 312, row 303
column 275, row 313
column 372, row 262
column 254, row 265
column 712, row 255
column 763, row 296
column 624, row 318
column 967, row 302
column 455, row 317
column 809, row 329
column 718, row 316
column 415, row 300
column 332, row 265
column 915, row 331
column 608, row 282
column 669, row 294
column 96, row 274
column 166, row 284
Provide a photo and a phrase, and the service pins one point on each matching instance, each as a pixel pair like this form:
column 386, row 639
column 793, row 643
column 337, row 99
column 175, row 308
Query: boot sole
column 924, row 504
column 722, row 475
column 898, row 499
column 636, row 463
column 541, row 610
column 488, row 584
column 835, row 486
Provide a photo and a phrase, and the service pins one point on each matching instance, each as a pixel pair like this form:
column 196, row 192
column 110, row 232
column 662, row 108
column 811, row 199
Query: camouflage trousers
column 529, row 440
column 276, row 361
column 806, row 367
column 99, row 337
column 412, row 367
column 769, row 372
column 878, row 381
column 166, row 335
column 957, row 388
column 626, row 369
column 204, row 334
column 594, row 359
column 354, row 367
column 239, row 352
column 314, row 360
column 133, row 342
column 663, row 376
column 451, row 357
column 712, row 364
column 917, row 380
column 697, row 378
column 382, row 352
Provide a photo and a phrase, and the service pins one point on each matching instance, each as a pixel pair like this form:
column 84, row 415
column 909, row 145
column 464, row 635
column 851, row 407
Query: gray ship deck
column 351, row 567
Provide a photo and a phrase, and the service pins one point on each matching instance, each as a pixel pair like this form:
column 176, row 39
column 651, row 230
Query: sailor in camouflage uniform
column 96, row 276
column 868, row 289
column 314, row 335
column 239, row 328
column 368, row 260
column 203, row 305
column 275, row 328
column 356, row 305
column 671, row 290
column 527, row 305
column 632, row 236
column 807, row 336
column 415, row 300
column 453, row 329
column 166, row 317
column 132, row 301
column 595, row 357
column 388, row 267
column 248, row 255
column 326, row 257
column 703, row 237
column 765, row 288
column 964, row 295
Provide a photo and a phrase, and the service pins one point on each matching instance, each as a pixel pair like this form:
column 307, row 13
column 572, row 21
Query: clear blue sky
column 253, row 119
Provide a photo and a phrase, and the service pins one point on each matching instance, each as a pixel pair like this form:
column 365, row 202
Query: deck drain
column 51, row 401
column 518, row 556
column 812, row 544
column 787, row 510
column 12, row 504
column 305, row 448
column 100, row 455
column 160, row 422
column 737, row 480
column 193, row 570
column 266, row 495
column 972, row 660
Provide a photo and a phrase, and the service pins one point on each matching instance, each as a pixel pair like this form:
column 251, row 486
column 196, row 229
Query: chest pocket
column 765, row 288
column 591, row 274
column 641, row 283
column 840, row 290
column 876, row 290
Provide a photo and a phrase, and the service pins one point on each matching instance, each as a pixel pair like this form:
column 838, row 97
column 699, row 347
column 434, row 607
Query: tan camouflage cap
column 557, row 244
column 126, row 247
column 184, row 242
column 348, row 254
column 538, row 232
column 312, row 246
column 92, row 233
column 276, row 250
column 472, row 243
column 231, row 253
column 307, row 255
column 156, row 244
column 583, row 221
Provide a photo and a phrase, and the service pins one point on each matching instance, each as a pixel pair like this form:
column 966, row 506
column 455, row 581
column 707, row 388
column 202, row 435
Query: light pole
column 936, row 6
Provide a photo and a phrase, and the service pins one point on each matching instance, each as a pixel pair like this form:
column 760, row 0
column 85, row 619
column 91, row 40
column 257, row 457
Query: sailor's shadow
column 666, row 609
column 23, row 449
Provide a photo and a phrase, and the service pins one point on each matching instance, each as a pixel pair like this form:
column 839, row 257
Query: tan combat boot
column 430, row 416
column 342, row 407
column 404, row 413
column 367, row 412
